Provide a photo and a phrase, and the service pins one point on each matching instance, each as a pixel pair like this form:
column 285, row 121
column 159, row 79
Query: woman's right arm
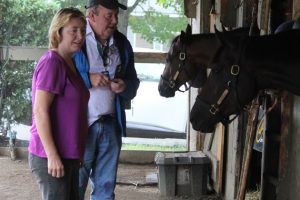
column 43, row 101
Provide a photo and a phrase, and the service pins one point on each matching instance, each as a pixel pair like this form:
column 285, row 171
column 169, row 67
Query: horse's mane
column 274, row 59
column 175, row 39
column 281, row 45
column 190, row 38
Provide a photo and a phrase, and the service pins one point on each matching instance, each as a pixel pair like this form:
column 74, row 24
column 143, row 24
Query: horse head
column 177, row 71
column 241, row 67
column 228, row 89
column 188, row 59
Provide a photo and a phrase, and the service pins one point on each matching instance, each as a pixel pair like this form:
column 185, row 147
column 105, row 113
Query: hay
column 252, row 195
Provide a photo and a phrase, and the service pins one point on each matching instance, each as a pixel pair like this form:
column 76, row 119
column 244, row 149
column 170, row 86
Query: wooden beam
column 190, row 8
column 228, row 13
column 264, row 9
column 21, row 53
column 147, row 57
column 296, row 9
column 205, row 7
column 28, row 53
column 220, row 129
column 250, row 136
column 287, row 107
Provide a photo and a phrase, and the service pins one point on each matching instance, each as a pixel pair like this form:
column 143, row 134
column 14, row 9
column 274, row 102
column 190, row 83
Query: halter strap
column 182, row 58
column 231, row 86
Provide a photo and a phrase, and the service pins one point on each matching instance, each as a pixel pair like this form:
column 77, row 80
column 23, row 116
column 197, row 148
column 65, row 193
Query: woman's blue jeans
column 101, row 160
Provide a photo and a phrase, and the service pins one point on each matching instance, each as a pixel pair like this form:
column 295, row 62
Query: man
column 106, row 64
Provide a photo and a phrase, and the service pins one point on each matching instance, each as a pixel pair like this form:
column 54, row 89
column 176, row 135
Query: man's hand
column 117, row 85
column 99, row 80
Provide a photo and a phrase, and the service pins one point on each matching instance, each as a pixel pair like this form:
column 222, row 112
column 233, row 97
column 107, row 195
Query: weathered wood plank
column 21, row 53
column 28, row 53
column 147, row 57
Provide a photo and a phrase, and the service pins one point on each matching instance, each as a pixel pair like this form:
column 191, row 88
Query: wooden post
column 264, row 16
column 250, row 135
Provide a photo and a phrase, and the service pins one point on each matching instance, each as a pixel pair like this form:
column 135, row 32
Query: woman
column 59, row 119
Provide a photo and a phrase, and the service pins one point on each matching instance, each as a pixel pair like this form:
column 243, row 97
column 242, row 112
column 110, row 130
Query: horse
column 188, row 58
column 241, row 68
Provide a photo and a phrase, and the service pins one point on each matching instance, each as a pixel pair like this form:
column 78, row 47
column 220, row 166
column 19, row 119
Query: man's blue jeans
column 101, row 160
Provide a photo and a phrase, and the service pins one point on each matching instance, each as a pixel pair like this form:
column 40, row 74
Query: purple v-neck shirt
column 68, row 112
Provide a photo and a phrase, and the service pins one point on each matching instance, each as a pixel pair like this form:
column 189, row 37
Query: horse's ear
column 296, row 24
column 219, row 35
column 182, row 36
column 188, row 30
column 225, row 39
column 216, row 29
column 254, row 31
column 223, row 28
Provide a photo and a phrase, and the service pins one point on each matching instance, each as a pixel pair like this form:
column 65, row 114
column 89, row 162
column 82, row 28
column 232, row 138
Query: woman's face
column 73, row 35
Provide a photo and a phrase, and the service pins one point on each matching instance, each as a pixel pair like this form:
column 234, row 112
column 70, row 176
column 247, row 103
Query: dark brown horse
column 240, row 69
column 188, row 59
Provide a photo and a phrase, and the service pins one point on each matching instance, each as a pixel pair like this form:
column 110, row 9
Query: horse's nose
column 199, row 117
column 164, row 90
column 202, row 126
column 195, row 123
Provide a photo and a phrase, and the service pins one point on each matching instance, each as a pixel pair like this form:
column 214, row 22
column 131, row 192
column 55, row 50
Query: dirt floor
column 17, row 182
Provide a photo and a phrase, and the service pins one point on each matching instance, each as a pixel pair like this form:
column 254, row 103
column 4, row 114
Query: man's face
column 104, row 22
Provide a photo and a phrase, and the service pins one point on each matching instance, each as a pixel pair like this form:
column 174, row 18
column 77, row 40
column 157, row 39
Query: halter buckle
column 182, row 56
column 171, row 84
column 235, row 70
column 213, row 109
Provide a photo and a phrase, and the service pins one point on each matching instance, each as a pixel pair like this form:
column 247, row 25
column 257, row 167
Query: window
column 150, row 109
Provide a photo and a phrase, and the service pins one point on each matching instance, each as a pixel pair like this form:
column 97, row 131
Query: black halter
column 214, row 108
column 231, row 88
column 171, row 81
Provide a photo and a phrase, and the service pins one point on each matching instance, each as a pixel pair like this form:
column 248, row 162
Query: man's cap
column 109, row 4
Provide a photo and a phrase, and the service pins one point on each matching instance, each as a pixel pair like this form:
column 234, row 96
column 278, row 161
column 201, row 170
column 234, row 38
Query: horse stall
column 271, row 125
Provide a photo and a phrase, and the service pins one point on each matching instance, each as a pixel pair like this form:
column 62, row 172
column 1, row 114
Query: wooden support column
column 229, row 13
column 296, row 9
column 264, row 16
column 250, row 135
column 200, row 24
column 288, row 185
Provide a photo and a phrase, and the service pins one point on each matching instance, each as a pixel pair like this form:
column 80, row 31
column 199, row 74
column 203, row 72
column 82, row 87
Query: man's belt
column 104, row 118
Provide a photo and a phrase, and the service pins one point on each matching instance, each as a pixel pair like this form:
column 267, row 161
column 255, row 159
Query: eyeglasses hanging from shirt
column 104, row 53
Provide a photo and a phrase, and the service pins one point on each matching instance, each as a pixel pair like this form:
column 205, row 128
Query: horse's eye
column 215, row 69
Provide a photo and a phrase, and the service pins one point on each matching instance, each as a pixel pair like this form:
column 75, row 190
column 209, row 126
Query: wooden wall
column 224, row 147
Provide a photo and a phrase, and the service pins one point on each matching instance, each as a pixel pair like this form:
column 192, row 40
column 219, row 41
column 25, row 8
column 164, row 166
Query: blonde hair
column 60, row 19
